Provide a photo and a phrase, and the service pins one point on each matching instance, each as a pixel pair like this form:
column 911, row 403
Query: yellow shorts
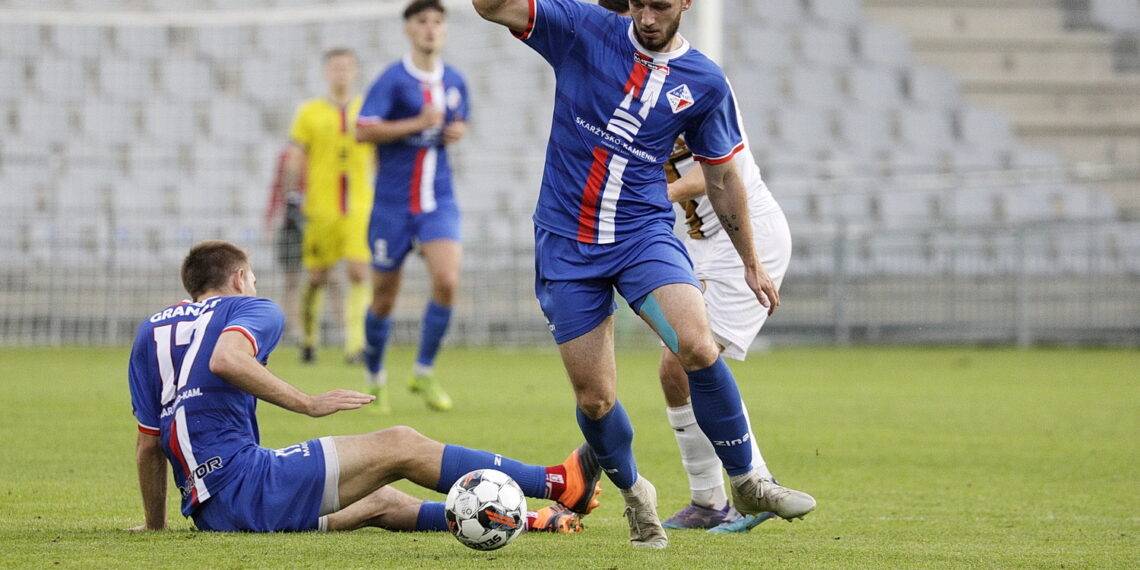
column 327, row 241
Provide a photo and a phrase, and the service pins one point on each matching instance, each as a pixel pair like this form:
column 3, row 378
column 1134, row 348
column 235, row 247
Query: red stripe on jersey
column 344, row 175
column 588, row 212
column 417, row 175
column 244, row 331
column 147, row 430
column 176, row 449
column 722, row 159
column 636, row 80
column 525, row 34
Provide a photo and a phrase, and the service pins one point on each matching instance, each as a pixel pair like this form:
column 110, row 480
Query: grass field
column 928, row 458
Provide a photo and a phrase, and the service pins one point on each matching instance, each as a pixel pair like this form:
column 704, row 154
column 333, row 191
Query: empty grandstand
column 952, row 170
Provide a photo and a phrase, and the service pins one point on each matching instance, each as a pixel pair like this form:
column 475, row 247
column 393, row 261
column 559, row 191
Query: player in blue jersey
column 197, row 370
column 625, row 91
column 414, row 110
column 734, row 317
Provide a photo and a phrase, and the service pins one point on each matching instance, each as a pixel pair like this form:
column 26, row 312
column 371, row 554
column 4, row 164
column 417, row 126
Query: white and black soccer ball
column 486, row 509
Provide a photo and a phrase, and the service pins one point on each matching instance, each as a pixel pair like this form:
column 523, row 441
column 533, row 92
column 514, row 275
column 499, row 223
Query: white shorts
column 735, row 315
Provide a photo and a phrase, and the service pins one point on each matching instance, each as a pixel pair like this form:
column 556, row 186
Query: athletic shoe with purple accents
column 695, row 516
column 742, row 523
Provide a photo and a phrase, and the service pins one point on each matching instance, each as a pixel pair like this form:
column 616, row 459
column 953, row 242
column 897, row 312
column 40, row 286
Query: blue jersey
column 203, row 422
column 618, row 108
column 413, row 172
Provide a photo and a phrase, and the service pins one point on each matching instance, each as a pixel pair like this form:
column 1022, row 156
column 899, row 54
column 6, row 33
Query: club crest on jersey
column 680, row 98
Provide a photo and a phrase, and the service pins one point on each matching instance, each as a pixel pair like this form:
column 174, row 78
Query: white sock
column 757, row 459
column 323, row 524
column 703, row 467
column 421, row 370
column 376, row 380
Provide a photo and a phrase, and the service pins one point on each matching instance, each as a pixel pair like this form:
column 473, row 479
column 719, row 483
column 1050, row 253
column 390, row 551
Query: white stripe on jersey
column 607, row 209
column 427, row 180
column 187, row 450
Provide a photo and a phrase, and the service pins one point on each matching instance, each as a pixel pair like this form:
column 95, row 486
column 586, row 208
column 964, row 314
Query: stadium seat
column 803, row 128
column 759, row 43
column 823, row 46
column 284, row 40
column 909, row 208
column 865, row 129
column 221, row 42
column 43, row 121
column 982, row 127
column 21, row 41
column 357, row 35
column 838, row 13
column 882, row 46
column 170, row 121
column 816, row 87
column 141, row 42
column 110, row 122
column 15, row 83
column 932, row 87
column 60, row 79
column 925, row 128
column 79, row 42
column 126, row 80
column 773, row 12
column 874, row 87
column 269, row 80
column 976, row 206
column 971, row 159
column 235, row 121
column 901, row 253
column 188, row 80
column 1025, row 157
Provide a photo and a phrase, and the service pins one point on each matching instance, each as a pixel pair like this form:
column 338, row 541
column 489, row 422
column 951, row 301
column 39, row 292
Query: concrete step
column 941, row 18
column 1051, row 57
column 1076, row 108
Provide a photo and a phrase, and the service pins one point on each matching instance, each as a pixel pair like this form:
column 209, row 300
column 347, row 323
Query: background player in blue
column 414, row 110
column 196, row 372
column 625, row 90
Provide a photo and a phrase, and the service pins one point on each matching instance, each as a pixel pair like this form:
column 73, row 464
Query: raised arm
column 726, row 192
column 514, row 14
column 235, row 361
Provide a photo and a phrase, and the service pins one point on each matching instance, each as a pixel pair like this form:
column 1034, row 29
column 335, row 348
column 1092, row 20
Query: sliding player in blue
column 626, row 88
column 197, row 370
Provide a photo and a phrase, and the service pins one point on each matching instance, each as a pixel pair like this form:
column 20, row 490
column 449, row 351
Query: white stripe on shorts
column 330, row 498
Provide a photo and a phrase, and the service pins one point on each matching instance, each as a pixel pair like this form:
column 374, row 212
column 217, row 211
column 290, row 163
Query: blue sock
column 436, row 319
column 612, row 440
column 716, row 404
column 431, row 517
column 376, row 331
column 458, row 461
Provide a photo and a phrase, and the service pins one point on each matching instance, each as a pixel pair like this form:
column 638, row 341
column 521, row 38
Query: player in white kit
column 735, row 317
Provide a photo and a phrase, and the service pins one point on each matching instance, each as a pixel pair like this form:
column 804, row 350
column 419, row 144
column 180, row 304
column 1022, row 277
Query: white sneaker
column 753, row 495
column 645, row 530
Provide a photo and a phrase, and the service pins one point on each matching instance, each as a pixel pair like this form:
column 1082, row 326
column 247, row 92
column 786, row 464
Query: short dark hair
column 209, row 264
column 337, row 52
column 417, row 6
column 618, row 6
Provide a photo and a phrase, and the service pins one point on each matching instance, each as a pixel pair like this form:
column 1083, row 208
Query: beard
column 663, row 39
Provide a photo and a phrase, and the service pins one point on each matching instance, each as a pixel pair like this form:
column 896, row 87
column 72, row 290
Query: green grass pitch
column 919, row 458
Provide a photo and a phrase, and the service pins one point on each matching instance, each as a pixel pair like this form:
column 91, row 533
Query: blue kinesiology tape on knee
column 651, row 310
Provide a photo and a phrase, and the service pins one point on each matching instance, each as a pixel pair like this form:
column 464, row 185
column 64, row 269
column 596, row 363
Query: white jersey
column 699, row 214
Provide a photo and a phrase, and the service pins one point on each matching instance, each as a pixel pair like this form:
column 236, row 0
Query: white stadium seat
column 142, row 42
column 874, row 87
column 933, row 87
column 838, row 13
column 825, row 46
column 237, row 121
column 187, row 79
column 865, row 128
column 925, row 127
column 983, row 127
column 882, row 45
column 773, row 11
column 126, row 79
column 814, row 87
column 60, row 79
column 170, row 121
column 44, row 121
column 80, row 41
column 21, row 40
column 230, row 41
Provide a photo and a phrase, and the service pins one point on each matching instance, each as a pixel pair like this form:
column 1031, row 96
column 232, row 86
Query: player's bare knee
column 595, row 406
column 399, row 437
column 698, row 355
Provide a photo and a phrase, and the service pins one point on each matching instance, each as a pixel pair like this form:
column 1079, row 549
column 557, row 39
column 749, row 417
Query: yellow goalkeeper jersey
column 340, row 170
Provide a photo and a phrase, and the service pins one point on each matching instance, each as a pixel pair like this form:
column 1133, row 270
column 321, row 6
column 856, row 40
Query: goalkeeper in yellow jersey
column 337, row 202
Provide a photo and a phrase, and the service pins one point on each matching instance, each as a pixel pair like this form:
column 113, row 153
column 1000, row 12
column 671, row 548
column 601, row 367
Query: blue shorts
column 394, row 231
column 575, row 281
column 279, row 490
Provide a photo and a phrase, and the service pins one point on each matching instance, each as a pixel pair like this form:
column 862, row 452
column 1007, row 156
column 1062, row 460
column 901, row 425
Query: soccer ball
column 486, row 509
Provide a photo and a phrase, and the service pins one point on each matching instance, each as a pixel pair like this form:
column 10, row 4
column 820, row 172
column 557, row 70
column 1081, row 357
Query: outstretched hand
column 762, row 285
column 336, row 401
